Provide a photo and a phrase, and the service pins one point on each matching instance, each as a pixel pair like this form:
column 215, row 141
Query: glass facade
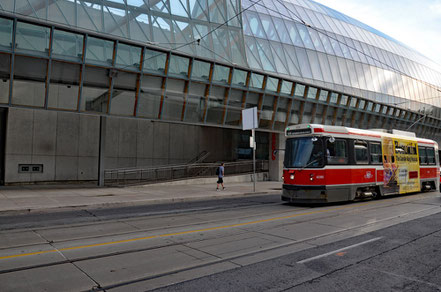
column 203, row 62
column 312, row 43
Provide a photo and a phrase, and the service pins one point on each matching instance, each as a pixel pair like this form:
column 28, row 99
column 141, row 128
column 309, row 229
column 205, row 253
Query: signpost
column 249, row 122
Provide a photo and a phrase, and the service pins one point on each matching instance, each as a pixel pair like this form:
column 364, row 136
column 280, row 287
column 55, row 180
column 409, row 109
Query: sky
column 415, row 23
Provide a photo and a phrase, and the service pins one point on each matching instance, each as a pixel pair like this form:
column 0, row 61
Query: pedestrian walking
column 220, row 176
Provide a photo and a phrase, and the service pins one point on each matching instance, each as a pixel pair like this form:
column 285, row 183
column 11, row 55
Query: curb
column 133, row 203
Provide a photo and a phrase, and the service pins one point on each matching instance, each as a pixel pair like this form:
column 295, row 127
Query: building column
column 275, row 165
column 102, row 150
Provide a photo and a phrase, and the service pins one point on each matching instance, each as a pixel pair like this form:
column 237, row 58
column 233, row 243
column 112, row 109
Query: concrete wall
column 67, row 144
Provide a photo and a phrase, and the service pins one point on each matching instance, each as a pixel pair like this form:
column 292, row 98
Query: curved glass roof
column 321, row 46
column 297, row 39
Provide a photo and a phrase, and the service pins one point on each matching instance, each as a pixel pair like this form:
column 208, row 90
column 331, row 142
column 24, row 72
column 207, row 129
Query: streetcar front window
column 304, row 152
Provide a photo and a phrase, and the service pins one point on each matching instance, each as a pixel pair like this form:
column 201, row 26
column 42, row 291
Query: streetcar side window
column 336, row 152
column 423, row 156
column 361, row 152
column 430, row 152
column 375, row 150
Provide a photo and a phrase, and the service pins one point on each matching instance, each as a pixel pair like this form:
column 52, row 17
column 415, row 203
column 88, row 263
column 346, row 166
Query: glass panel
column 369, row 106
column 316, row 40
column 422, row 155
column 430, row 155
column 304, row 34
column 336, row 152
column 334, row 97
column 195, row 103
column 361, row 152
column 123, row 94
column 177, row 8
column 255, row 26
column 280, row 118
column 294, row 34
column 6, row 33
column 300, row 90
column 376, row 157
column 221, row 73
column 178, row 65
column 281, row 30
column 154, row 60
column 149, row 97
column 32, row 37
column 286, row 87
column 201, row 70
column 63, row 88
column 266, row 114
column 323, row 95
column 234, row 107
column 312, row 92
column 29, row 81
column 315, row 65
column 325, row 69
column 333, row 65
column 344, row 71
column 174, row 100
column 303, row 153
column 272, row 83
column 239, row 77
column 99, row 50
column 252, row 99
column 67, row 44
column 353, row 102
column 95, row 91
column 269, row 27
column 256, row 80
column 128, row 57
column 303, row 63
column 215, row 106
column 344, row 100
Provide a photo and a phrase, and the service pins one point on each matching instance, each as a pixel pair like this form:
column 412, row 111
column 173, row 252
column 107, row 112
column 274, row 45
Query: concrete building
column 89, row 85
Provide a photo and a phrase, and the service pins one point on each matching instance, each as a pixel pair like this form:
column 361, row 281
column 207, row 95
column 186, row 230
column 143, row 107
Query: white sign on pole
column 249, row 118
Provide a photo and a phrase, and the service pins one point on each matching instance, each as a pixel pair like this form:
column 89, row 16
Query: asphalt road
column 405, row 257
column 241, row 244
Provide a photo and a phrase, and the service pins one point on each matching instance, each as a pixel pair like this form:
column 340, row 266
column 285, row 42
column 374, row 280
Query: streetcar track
column 133, row 217
column 185, row 243
column 228, row 259
column 127, row 221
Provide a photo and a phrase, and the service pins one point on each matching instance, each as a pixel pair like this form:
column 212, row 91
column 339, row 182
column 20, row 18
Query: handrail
column 146, row 175
column 200, row 157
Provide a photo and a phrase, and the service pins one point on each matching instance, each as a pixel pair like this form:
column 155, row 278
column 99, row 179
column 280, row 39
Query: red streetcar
column 331, row 163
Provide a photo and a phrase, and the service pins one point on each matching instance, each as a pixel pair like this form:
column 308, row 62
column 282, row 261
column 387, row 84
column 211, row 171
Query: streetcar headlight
column 291, row 176
column 311, row 177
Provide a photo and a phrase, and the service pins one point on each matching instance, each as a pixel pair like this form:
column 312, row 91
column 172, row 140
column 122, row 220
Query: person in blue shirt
column 220, row 176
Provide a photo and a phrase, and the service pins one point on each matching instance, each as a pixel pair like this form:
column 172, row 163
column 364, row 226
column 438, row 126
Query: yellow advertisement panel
column 408, row 168
column 390, row 166
column 401, row 165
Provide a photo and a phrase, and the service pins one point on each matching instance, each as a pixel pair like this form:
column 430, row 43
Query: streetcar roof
column 318, row 129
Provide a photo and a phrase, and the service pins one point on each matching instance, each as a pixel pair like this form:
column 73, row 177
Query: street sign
column 249, row 118
column 249, row 122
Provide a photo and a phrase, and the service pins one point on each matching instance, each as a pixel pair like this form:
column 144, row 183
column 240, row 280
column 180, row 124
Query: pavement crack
column 67, row 260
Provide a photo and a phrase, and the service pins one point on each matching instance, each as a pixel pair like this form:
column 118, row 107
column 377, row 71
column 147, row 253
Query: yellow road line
column 188, row 231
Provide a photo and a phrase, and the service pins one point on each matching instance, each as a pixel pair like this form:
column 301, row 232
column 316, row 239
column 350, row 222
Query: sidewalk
column 52, row 197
